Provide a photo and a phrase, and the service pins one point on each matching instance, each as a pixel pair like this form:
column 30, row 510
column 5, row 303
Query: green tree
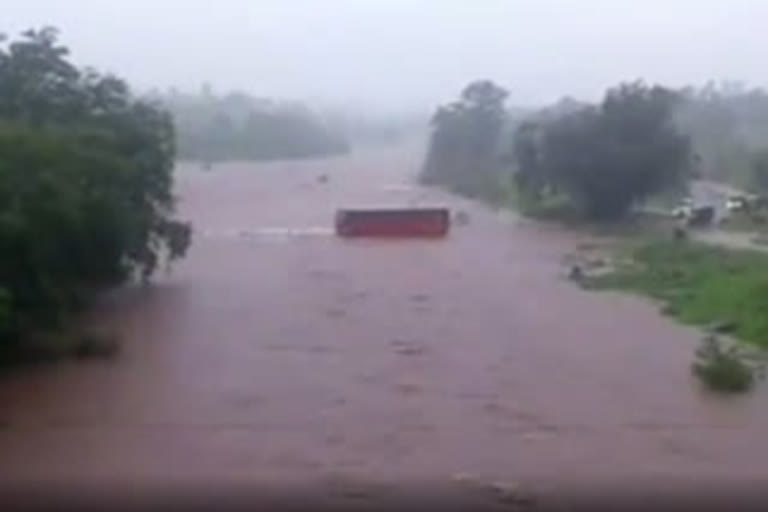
column 727, row 124
column 464, row 152
column 526, row 152
column 85, row 184
column 759, row 176
column 609, row 157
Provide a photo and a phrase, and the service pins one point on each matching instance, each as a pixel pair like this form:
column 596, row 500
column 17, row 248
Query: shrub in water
column 723, row 369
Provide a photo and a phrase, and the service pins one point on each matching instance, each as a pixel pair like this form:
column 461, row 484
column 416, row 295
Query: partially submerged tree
column 85, row 184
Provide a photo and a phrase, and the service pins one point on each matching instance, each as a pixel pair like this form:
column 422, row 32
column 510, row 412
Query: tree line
column 238, row 126
column 365, row 128
column 600, row 160
column 728, row 127
column 85, row 186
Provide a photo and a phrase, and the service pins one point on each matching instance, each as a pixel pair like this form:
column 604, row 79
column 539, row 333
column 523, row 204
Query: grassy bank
column 698, row 284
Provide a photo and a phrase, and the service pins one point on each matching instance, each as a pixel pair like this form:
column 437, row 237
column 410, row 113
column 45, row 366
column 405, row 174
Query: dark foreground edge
column 348, row 496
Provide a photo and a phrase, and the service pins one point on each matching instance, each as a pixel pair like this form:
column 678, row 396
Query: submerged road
column 276, row 352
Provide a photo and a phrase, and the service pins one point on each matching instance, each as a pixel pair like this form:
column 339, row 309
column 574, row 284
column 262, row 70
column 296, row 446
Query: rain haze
column 492, row 252
column 401, row 54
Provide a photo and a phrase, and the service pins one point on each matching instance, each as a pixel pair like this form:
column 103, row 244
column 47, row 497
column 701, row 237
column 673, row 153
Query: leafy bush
column 723, row 369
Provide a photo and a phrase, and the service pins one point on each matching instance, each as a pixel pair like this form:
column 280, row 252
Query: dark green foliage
column 722, row 368
column 464, row 152
column 240, row 127
column 6, row 313
column 85, row 185
column 604, row 159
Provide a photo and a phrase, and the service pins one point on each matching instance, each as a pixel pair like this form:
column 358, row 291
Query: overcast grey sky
column 406, row 53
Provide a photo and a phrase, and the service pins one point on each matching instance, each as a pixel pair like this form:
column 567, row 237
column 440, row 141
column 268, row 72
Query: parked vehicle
column 692, row 215
column 701, row 216
column 737, row 203
column 684, row 209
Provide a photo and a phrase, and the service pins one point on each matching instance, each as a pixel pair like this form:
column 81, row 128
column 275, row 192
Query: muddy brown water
column 276, row 352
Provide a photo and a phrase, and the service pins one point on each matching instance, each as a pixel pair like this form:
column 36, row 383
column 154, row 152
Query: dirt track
column 295, row 356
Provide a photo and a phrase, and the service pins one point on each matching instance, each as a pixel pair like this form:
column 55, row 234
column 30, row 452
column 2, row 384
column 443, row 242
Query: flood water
column 278, row 352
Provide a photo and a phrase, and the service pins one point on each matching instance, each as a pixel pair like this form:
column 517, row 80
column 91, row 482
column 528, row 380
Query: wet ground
column 278, row 353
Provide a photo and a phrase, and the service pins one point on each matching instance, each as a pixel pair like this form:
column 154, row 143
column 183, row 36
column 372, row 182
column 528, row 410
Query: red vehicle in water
column 393, row 222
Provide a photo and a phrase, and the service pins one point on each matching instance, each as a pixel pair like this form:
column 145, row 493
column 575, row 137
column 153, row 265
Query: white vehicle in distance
column 684, row 210
column 737, row 203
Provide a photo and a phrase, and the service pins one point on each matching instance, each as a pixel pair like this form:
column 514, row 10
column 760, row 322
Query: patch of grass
column 637, row 224
column 552, row 208
column 633, row 225
column 746, row 222
column 724, row 369
column 493, row 189
column 699, row 284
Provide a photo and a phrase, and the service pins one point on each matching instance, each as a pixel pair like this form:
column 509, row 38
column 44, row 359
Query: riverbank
column 698, row 284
